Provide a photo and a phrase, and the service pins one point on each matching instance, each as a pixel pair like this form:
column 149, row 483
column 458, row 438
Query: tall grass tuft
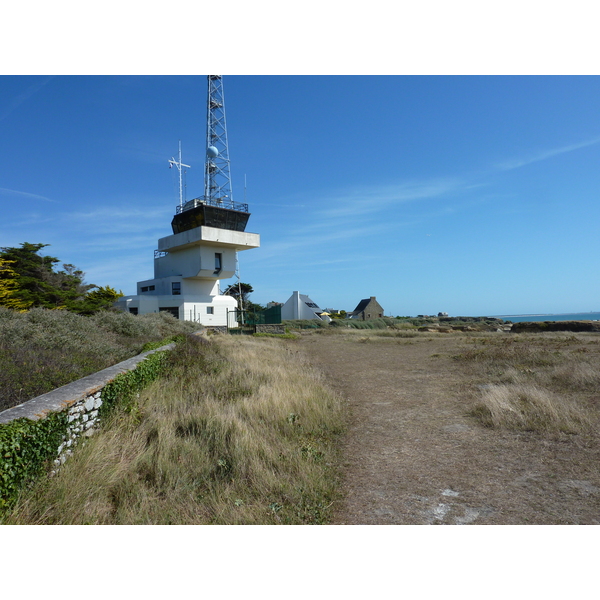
column 530, row 408
column 243, row 431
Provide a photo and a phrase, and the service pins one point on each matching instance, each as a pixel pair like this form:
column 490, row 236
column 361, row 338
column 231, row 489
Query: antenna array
column 217, row 177
column 179, row 164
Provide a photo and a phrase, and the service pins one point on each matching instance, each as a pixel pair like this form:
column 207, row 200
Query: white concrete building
column 189, row 264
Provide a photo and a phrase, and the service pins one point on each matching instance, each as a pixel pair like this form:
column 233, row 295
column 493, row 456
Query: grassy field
column 243, row 431
column 43, row 349
column 530, row 381
column 247, row 430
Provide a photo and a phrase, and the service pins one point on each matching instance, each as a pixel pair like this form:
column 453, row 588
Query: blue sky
column 432, row 190
column 472, row 195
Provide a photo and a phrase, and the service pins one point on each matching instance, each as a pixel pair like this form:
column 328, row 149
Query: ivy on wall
column 123, row 388
column 27, row 447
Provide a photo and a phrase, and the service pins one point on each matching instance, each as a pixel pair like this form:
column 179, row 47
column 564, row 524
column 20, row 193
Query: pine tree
column 28, row 279
column 9, row 287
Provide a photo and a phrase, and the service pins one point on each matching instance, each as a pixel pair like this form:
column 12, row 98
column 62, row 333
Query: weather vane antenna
column 217, row 176
column 179, row 164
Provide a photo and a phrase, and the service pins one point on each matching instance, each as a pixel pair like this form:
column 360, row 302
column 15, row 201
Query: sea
column 588, row 316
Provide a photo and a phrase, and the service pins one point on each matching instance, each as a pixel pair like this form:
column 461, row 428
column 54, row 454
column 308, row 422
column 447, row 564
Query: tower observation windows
column 176, row 288
column 222, row 214
column 218, row 263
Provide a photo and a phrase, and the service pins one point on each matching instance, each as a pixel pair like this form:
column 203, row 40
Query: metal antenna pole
column 217, row 177
column 179, row 164
column 237, row 274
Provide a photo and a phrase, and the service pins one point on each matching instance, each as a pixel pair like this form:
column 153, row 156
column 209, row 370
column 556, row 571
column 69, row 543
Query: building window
column 133, row 310
column 210, row 310
column 176, row 288
column 218, row 263
column 148, row 288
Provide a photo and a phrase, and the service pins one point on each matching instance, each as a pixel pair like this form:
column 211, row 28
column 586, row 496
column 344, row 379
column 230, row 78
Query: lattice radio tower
column 217, row 173
column 217, row 177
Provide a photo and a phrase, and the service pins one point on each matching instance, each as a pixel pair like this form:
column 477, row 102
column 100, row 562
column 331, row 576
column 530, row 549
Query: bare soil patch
column 414, row 455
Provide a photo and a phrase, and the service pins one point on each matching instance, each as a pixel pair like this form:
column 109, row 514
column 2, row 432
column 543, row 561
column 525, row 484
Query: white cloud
column 120, row 220
column 521, row 162
column 9, row 192
column 24, row 96
column 366, row 200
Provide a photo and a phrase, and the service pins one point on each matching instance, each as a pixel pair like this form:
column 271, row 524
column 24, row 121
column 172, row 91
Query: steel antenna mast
column 217, row 177
column 179, row 164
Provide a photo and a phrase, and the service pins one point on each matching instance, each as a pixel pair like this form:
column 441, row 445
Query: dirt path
column 412, row 455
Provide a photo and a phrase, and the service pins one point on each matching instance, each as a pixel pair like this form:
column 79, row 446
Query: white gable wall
column 297, row 307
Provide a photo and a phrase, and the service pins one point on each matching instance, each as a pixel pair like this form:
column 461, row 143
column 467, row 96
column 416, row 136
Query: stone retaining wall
column 81, row 399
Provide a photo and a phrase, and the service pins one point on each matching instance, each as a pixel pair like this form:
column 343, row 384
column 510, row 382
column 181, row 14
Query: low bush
column 283, row 336
column 43, row 349
column 299, row 324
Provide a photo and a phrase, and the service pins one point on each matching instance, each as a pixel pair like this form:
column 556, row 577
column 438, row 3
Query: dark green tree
column 235, row 290
column 31, row 280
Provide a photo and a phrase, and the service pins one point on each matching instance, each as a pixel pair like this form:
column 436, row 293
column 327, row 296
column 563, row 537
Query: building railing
column 219, row 203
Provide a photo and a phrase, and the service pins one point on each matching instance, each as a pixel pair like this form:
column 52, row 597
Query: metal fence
column 269, row 316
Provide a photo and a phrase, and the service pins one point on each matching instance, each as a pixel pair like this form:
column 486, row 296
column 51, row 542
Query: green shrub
column 43, row 349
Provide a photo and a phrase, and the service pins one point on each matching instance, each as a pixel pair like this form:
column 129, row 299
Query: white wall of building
column 300, row 306
column 186, row 279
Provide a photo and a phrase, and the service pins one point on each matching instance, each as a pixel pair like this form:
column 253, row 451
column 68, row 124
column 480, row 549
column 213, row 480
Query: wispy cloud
column 120, row 220
column 313, row 239
column 364, row 200
column 349, row 221
column 33, row 89
column 543, row 155
column 25, row 195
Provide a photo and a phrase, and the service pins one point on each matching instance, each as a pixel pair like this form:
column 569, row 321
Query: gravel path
column 412, row 455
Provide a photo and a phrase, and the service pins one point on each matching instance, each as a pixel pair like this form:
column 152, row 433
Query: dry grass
column 243, row 432
column 546, row 382
column 530, row 408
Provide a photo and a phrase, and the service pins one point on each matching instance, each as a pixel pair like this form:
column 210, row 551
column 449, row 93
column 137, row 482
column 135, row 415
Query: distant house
column 300, row 306
column 366, row 310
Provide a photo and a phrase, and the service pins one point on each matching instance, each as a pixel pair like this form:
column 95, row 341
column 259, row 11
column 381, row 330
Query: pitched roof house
column 300, row 306
column 367, row 309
